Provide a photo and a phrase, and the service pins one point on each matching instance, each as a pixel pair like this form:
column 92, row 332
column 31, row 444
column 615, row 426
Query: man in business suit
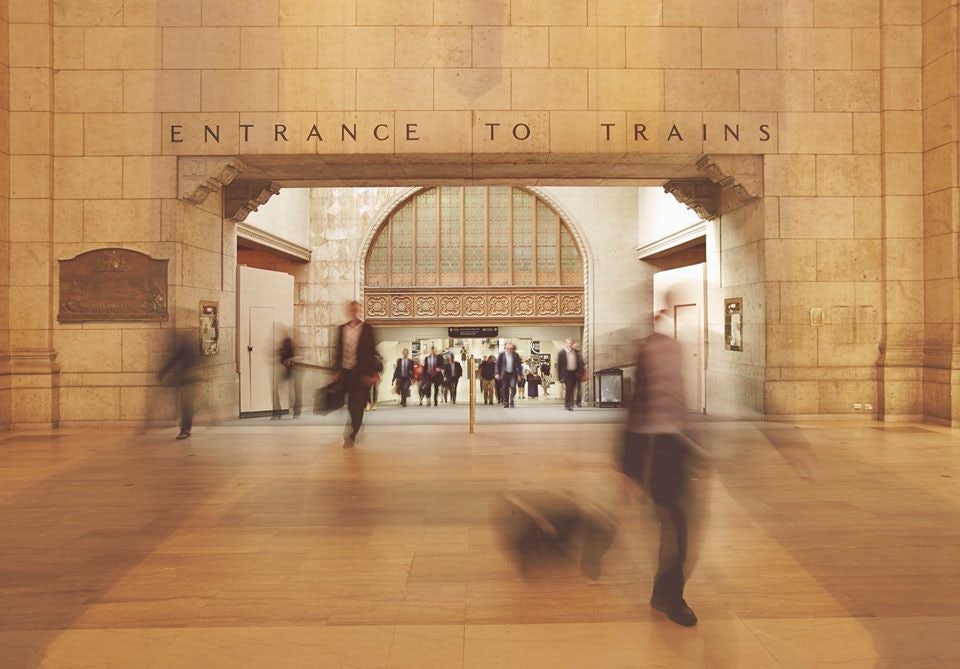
column 402, row 376
column 569, row 369
column 433, row 369
column 357, row 365
column 452, row 371
column 509, row 370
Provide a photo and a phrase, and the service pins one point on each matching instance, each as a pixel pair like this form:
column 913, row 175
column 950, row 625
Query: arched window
column 474, row 253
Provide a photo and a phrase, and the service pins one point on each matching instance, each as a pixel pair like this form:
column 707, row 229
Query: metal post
column 473, row 394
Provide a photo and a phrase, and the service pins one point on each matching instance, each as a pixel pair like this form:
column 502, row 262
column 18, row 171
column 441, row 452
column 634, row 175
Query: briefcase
column 328, row 398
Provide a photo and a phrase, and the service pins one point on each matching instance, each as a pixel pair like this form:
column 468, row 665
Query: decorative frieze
column 502, row 305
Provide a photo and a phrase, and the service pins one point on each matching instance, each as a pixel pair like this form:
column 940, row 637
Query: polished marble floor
column 269, row 546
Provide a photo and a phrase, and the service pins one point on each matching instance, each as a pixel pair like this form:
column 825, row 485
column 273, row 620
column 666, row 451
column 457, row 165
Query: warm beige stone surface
column 29, row 133
column 28, row 11
column 903, row 173
column 904, row 216
column 471, row 88
column 866, row 48
column 29, row 220
column 816, row 217
column 308, row 90
column 852, row 13
column 790, row 259
column 815, row 133
column 904, row 259
column 243, row 90
column 903, row 89
column 121, row 220
column 390, row 13
column 550, row 89
column 121, row 134
column 819, row 49
column 472, row 12
column 279, row 48
column 161, row 91
column 88, row 91
column 196, row 140
column 937, row 124
column 783, row 90
column 89, row 350
column 501, row 138
column 740, row 48
column 548, row 12
column 626, row 89
column 849, row 260
column 29, row 176
column 162, row 12
column 88, row 12
column 617, row 13
column 30, row 263
column 902, row 131
column 847, row 91
column 149, row 177
column 90, row 403
column 867, row 135
column 783, row 13
column 122, row 48
column 663, row 47
column 29, row 46
column 587, row 47
column 240, row 12
column 868, row 217
column 790, row 175
column 318, row 12
column 82, row 178
column 393, row 89
column 709, row 90
column 349, row 46
column 201, row 48
column 450, row 132
column 511, row 47
column 447, row 46
column 695, row 13
column 848, row 175
column 937, row 79
column 68, row 48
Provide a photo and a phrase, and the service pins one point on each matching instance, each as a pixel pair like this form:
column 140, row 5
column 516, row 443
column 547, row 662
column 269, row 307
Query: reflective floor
column 270, row 546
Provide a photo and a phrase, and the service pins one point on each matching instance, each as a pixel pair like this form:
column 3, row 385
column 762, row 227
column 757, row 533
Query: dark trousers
column 436, row 384
column 570, row 382
column 508, row 389
column 660, row 463
column 358, row 394
column 185, row 398
column 453, row 383
column 404, row 385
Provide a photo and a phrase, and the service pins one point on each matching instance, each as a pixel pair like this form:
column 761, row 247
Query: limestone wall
column 858, row 217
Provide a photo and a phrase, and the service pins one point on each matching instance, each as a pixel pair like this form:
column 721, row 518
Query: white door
column 260, row 349
column 686, row 321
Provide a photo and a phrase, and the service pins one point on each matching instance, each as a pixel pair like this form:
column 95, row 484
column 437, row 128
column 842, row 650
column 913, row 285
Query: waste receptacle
column 608, row 388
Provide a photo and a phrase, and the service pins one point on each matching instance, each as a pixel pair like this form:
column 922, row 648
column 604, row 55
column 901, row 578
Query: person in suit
column 403, row 376
column 180, row 371
column 433, row 373
column 488, row 373
column 569, row 370
column 509, row 372
column 452, row 371
column 657, row 456
column 357, row 365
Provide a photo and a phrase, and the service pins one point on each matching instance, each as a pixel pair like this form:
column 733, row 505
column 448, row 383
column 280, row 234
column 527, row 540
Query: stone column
column 34, row 373
column 941, row 214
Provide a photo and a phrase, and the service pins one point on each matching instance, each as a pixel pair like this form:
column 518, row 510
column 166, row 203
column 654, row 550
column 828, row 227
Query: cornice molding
column 199, row 177
column 270, row 241
column 243, row 198
column 699, row 195
column 740, row 178
column 688, row 234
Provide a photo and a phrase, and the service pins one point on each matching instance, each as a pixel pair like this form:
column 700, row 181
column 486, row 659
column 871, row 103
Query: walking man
column 357, row 362
column 509, row 367
column 452, row 371
column 402, row 375
column 569, row 370
column 433, row 368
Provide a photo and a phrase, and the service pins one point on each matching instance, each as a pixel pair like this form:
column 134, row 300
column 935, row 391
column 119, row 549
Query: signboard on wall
column 113, row 284
column 473, row 333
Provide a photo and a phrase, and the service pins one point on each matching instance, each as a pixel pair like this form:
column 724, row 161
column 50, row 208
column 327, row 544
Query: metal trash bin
column 608, row 388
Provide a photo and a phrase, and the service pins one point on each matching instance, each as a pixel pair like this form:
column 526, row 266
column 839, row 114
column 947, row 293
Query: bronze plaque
column 113, row 285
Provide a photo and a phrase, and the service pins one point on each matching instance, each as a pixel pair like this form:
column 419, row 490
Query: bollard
column 473, row 394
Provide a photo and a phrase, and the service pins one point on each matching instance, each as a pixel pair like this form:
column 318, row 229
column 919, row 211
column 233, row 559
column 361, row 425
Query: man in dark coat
column 569, row 371
column 452, row 371
column 180, row 372
column 402, row 376
column 433, row 372
column 509, row 372
column 357, row 363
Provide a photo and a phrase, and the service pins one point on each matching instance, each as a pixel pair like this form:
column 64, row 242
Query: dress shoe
column 183, row 435
column 679, row 613
column 349, row 442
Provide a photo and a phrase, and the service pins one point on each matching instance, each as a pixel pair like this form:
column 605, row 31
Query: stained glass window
column 481, row 236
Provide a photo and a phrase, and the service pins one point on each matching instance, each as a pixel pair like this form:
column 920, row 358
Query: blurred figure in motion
column 180, row 371
column 357, row 365
column 569, row 372
column 656, row 455
column 509, row 372
column 288, row 373
column 375, row 388
column 488, row 372
column 452, row 371
column 540, row 524
column 403, row 375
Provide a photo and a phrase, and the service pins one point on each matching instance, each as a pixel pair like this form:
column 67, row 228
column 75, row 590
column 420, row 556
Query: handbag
column 329, row 398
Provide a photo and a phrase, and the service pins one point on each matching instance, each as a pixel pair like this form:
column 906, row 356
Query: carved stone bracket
column 199, row 177
column 700, row 195
column 740, row 176
column 243, row 198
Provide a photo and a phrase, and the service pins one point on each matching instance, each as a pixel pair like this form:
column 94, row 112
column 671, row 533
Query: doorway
column 682, row 291
column 265, row 308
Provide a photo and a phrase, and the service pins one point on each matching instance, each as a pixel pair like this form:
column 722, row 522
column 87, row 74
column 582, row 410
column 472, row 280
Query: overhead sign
column 473, row 333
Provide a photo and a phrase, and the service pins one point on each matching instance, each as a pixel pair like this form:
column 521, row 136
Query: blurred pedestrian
column 509, row 370
column 403, row 376
column 375, row 388
column 287, row 372
column 488, row 374
column 180, row 371
column 433, row 373
column 569, row 371
column 656, row 455
column 452, row 372
column 357, row 365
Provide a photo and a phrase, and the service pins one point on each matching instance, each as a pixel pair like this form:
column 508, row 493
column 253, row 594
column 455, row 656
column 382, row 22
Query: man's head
column 354, row 308
column 569, row 342
column 433, row 350
column 406, row 353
